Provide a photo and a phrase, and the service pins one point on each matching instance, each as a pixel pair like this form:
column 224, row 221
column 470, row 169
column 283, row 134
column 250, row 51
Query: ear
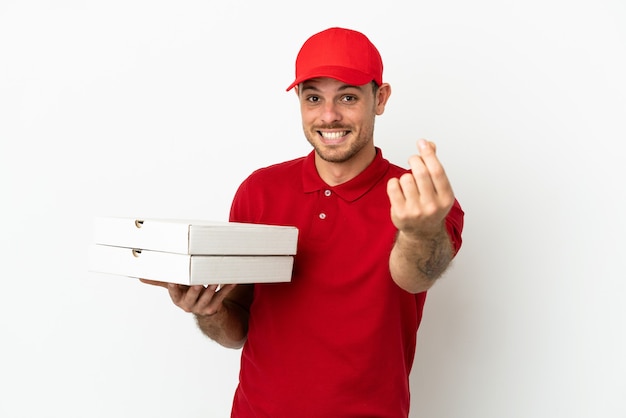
column 382, row 95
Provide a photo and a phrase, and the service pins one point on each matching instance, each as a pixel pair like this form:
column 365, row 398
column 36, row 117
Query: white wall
column 154, row 108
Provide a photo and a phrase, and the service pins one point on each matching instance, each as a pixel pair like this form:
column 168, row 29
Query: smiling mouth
column 333, row 136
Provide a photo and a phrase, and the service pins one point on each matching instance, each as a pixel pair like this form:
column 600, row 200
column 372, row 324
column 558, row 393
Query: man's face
column 337, row 118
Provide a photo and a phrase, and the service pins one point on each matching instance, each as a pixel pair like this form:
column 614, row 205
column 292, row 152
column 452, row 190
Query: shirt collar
column 350, row 190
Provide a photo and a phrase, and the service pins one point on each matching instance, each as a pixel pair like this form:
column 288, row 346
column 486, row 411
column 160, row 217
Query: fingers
column 187, row 297
column 394, row 191
column 184, row 296
column 429, row 173
column 411, row 186
column 420, row 167
column 197, row 299
column 421, row 198
column 424, row 145
column 213, row 301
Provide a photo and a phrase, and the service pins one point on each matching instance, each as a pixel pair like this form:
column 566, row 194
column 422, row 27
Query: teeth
column 333, row 135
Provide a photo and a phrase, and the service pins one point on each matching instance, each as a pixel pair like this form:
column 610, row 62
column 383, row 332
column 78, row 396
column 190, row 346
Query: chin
column 333, row 154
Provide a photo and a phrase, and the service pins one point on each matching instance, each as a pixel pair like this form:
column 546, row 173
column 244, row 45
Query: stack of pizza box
column 193, row 251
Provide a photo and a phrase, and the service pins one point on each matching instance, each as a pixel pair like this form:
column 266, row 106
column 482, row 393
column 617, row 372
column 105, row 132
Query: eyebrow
column 341, row 88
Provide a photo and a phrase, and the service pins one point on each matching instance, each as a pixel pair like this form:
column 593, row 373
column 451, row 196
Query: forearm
column 416, row 262
column 228, row 326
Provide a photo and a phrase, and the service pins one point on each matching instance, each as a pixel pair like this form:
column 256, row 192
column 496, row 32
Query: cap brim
column 346, row 75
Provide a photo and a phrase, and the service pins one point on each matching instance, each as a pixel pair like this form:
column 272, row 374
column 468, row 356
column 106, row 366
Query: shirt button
column 327, row 192
column 322, row 215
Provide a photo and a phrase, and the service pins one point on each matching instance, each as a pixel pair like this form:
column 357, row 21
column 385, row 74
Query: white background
column 157, row 108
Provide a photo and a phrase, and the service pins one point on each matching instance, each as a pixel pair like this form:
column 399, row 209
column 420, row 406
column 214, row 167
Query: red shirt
column 339, row 339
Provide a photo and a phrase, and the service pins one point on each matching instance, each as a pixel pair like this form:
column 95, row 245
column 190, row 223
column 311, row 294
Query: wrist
column 421, row 235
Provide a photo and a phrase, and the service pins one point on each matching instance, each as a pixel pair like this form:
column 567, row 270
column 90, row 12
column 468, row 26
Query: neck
column 335, row 173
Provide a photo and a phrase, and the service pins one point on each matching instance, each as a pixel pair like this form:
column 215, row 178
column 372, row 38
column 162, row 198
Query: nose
column 330, row 112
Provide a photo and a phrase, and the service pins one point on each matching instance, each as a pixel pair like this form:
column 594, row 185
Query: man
column 339, row 339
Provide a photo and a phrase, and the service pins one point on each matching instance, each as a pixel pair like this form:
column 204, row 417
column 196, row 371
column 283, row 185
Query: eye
column 348, row 98
column 312, row 99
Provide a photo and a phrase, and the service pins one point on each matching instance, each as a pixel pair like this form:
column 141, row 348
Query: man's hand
column 420, row 200
column 197, row 299
column 221, row 312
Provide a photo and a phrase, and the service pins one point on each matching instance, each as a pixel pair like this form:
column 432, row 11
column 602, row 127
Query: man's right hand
column 197, row 299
